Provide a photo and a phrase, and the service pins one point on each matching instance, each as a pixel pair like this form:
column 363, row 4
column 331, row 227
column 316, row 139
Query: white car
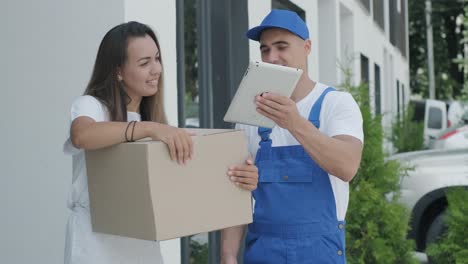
column 423, row 189
column 437, row 116
column 453, row 137
column 457, row 137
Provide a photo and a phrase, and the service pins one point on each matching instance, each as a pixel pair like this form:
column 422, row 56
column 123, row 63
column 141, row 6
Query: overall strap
column 314, row 115
column 264, row 134
column 264, row 152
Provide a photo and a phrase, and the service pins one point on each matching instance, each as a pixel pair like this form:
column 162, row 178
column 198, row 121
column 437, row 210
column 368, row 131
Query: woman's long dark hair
column 104, row 84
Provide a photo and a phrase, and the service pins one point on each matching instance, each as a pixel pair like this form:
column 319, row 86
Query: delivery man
column 304, row 163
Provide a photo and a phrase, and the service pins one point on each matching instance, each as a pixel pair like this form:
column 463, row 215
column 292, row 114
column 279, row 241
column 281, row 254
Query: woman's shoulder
column 87, row 105
column 86, row 99
column 88, row 102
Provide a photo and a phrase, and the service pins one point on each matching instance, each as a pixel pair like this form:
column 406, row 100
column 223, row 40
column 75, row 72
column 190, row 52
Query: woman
column 123, row 102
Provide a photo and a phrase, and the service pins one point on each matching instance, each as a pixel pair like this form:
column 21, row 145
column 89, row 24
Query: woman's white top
column 82, row 245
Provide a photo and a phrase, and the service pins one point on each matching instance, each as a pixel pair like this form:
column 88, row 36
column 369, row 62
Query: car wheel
column 436, row 230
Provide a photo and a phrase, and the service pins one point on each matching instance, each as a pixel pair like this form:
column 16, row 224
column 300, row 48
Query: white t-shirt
column 82, row 245
column 340, row 115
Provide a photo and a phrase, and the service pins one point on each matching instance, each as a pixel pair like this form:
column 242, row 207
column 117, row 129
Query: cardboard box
column 137, row 191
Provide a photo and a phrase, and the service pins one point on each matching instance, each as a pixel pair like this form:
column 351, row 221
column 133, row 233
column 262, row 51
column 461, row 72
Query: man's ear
column 308, row 46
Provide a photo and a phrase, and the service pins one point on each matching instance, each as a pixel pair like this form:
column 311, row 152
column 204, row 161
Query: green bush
column 377, row 224
column 407, row 135
column 463, row 61
column 453, row 246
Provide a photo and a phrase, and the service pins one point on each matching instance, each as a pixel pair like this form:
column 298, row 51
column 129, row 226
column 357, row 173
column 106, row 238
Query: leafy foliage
column 407, row 134
column 463, row 61
column 453, row 246
column 376, row 223
column 191, row 55
column 198, row 252
column 446, row 45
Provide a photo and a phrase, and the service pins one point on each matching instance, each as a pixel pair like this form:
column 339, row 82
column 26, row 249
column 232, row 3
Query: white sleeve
column 85, row 105
column 89, row 106
column 341, row 116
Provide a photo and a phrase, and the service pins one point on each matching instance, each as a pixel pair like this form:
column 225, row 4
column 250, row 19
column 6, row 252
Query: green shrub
column 407, row 135
column 377, row 224
column 453, row 246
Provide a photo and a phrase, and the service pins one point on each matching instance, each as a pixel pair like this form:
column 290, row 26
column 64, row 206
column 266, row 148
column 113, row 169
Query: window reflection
column 191, row 65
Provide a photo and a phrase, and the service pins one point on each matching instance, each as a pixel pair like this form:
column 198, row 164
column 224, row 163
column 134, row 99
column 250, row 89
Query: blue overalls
column 295, row 214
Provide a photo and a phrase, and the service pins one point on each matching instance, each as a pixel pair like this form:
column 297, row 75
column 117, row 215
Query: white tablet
column 260, row 77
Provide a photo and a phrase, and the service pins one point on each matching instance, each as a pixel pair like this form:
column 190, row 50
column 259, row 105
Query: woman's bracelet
column 133, row 130
column 126, row 131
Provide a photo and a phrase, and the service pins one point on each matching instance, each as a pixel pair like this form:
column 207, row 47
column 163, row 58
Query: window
column 364, row 69
column 194, row 249
column 366, row 4
column 398, row 98
column 403, row 99
column 209, row 33
column 378, row 107
column 397, row 28
column 419, row 110
column 288, row 5
column 378, row 11
column 435, row 118
column 188, row 102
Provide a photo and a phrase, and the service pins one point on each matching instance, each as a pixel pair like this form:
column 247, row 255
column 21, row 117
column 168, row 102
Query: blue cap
column 283, row 19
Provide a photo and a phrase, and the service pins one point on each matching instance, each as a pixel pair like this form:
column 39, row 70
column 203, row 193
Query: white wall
column 373, row 42
column 312, row 21
column 48, row 49
column 328, row 42
column 257, row 11
column 347, row 54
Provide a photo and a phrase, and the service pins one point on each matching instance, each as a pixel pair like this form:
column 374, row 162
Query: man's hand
column 278, row 108
column 244, row 175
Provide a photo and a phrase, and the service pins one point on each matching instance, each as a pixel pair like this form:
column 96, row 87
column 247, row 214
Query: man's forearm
column 339, row 155
column 230, row 241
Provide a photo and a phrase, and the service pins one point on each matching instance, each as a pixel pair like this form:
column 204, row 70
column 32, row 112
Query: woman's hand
column 244, row 175
column 178, row 141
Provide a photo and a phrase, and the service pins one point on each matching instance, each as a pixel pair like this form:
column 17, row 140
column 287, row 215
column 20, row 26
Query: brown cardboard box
column 137, row 191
